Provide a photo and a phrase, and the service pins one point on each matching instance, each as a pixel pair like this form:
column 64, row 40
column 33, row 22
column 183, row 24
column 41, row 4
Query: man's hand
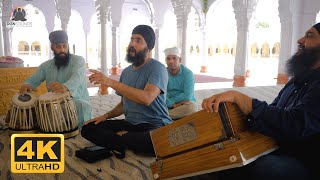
column 243, row 101
column 99, row 78
column 97, row 120
column 26, row 88
column 212, row 103
column 57, row 87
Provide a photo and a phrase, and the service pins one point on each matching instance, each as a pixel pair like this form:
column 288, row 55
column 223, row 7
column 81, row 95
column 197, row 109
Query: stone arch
column 151, row 10
column 199, row 9
column 226, row 32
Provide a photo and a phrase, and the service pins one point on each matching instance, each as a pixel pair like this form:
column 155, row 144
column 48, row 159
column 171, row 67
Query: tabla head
column 53, row 96
column 28, row 99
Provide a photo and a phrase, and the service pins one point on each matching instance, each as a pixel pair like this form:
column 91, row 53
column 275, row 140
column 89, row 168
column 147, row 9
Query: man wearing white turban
column 180, row 91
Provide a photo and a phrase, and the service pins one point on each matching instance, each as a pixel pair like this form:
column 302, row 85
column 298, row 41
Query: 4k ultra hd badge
column 37, row 153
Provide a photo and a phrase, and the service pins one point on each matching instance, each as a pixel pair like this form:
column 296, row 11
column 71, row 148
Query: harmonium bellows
column 206, row 142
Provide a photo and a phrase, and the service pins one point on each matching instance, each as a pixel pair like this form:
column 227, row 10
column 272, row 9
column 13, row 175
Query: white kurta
column 73, row 76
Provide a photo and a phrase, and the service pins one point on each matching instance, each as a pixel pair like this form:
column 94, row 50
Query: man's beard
column 139, row 57
column 61, row 61
column 302, row 61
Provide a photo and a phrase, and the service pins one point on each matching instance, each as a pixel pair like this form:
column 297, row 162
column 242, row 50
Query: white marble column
column 243, row 11
column 6, row 12
column 205, row 50
column 285, row 16
column 50, row 27
column 1, row 33
column 103, row 8
column 156, row 47
column 115, row 48
column 64, row 13
column 182, row 8
column 103, row 22
column 86, row 47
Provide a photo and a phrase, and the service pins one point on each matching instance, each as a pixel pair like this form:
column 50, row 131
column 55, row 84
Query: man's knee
column 87, row 129
column 191, row 107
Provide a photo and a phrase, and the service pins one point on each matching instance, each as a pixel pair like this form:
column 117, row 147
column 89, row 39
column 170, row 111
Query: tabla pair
column 49, row 113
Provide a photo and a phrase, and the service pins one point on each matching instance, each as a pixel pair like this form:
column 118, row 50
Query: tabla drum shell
column 23, row 113
column 58, row 114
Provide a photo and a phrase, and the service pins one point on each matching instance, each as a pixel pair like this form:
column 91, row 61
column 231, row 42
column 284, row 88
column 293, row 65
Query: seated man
column 142, row 86
column 65, row 72
column 292, row 119
column 180, row 96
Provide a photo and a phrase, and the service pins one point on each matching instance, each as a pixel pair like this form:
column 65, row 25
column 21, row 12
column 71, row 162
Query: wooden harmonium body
column 206, row 142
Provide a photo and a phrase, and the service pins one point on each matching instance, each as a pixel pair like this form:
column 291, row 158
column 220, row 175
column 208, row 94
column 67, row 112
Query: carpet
column 200, row 78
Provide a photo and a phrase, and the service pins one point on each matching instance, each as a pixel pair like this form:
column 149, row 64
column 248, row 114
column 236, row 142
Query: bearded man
column 143, row 88
column 65, row 72
column 292, row 119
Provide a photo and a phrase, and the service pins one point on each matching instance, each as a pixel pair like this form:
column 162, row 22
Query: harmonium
column 206, row 142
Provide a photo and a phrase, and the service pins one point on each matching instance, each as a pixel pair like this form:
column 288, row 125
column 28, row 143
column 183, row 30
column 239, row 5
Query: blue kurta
column 180, row 86
column 73, row 76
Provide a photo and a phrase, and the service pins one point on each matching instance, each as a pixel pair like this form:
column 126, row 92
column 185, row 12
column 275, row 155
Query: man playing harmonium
column 292, row 119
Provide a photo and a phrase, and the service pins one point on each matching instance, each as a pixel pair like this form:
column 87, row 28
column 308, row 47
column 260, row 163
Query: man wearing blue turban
column 65, row 72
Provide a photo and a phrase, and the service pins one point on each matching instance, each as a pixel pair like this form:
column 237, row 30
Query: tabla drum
column 58, row 114
column 23, row 113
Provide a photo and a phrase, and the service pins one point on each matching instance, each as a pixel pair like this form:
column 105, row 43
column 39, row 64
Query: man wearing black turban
column 65, row 72
column 292, row 119
column 143, row 87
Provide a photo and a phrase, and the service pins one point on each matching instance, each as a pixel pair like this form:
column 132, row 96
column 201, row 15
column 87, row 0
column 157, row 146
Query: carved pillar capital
column 6, row 10
column 181, row 10
column 63, row 12
column 243, row 12
column 103, row 9
column 6, row 16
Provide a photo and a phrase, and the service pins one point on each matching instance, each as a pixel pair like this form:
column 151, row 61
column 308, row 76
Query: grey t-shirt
column 153, row 72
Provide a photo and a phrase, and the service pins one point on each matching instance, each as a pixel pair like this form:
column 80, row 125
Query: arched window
column 225, row 49
column 35, row 48
column 210, row 51
column 218, row 49
column 23, row 48
column 191, row 49
column 254, row 50
column 265, row 50
column 233, row 50
column 276, row 49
